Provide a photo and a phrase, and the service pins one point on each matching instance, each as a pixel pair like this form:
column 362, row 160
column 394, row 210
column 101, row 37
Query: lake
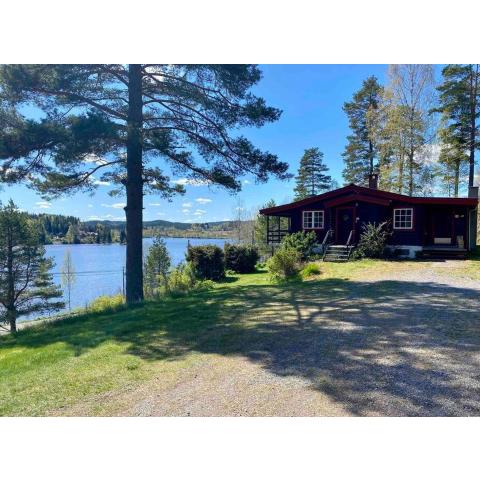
column 99, row 267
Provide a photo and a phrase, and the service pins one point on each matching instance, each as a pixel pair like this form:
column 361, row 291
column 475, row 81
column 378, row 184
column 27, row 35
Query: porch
column 277, row 228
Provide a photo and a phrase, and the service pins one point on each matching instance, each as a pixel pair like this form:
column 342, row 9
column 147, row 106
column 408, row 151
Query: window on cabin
column 403, row 218
column 313, row 219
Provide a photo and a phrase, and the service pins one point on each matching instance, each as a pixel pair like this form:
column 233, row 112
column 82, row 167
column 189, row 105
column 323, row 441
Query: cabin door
column 345, row 224
column 442, row 227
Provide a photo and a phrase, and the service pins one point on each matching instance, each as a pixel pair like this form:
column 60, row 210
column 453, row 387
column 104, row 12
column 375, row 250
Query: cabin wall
column 455, row 221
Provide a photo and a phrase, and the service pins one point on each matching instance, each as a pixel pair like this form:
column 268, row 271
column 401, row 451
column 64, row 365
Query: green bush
column 181, row 279
column 372, row 241
column 207, row 262
column 106, row 303
column 284, row 263
column 204, row 285
column 310, row 270
column 302, row 242
column 240, row 258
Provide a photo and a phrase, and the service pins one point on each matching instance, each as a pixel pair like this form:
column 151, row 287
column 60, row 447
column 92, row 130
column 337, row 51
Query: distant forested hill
column 165, row 224
column 69, row 229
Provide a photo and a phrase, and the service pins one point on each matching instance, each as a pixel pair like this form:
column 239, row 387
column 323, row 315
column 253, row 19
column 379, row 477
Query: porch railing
column 276, row 236
column 327, row 237
column 350, row 238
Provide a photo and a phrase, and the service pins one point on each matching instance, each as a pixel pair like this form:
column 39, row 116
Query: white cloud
column 203, row 201
column 114, row 205
column 246, row 182
column 191, row 181
column 101, row 182
column 154, row 204
column 199, row 212
column 90, row 205
column 187, row 204
column 161, row 214
column 92, row 158
column 186, row 210
column 105, row 217
column 44, row 205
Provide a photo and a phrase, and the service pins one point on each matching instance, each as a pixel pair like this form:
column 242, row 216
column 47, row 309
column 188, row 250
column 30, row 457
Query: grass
column 50, row 368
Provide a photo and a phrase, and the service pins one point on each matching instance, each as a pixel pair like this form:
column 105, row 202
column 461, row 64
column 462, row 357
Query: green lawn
column 50, row 368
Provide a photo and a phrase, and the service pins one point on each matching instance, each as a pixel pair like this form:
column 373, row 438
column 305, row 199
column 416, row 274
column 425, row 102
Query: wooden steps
column 337, row 253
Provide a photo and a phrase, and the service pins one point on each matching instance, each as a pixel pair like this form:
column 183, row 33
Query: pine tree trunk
column 370, row 157
column 473, row 129
column 400, row 176
column 11, row 313
column 134, row 188
column 457, row 178
column 410, row 171
column 471, row 170
column 12, row 320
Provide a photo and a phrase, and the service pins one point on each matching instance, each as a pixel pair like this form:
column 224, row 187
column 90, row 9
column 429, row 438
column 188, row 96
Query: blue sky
column 311, row 97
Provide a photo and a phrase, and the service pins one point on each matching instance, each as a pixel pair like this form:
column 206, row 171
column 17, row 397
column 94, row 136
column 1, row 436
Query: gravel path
column 400, row 343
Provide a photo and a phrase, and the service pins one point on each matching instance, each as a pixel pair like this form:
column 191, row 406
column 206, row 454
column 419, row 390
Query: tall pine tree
column 460, row 109
column 26, row 285
column 133, row 126
column 312, row 177
column 360, row 155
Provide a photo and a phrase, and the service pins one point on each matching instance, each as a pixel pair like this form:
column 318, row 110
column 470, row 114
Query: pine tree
column 157, row 266
column 72, row 236
column 460, row 109
column 312, row 178
column 26, row 285
column 361, row 155
column 132, row 125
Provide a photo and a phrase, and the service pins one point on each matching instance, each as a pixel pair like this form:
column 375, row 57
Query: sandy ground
column 398, row 343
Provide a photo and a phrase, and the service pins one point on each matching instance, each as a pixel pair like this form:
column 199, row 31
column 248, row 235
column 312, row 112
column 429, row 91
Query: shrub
column 240, row 258
column 181, row 279
column 284, row 263
column 204, row 285
column 372, row 241
column 302, row 242
column 207, row 262
column 310, row 270
column 106, row 303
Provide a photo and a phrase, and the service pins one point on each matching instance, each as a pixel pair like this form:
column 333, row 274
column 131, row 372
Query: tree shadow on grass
column 377, row 348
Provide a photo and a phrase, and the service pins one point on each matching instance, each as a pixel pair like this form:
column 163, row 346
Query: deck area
column 444, row 251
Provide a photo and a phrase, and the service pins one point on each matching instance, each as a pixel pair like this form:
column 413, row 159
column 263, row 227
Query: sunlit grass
column 51, row 367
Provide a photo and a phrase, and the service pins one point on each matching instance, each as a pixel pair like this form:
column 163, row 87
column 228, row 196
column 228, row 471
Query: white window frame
column 395, row 210
column 321, row 220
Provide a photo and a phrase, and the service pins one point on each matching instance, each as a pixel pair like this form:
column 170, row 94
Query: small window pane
column 313, row 219
column 403, row 218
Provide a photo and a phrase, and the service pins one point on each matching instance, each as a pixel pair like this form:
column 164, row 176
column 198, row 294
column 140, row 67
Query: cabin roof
column 356, row 192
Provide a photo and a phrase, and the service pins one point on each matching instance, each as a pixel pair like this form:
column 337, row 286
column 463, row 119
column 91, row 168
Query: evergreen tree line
column 419, row 136
column 71, row 230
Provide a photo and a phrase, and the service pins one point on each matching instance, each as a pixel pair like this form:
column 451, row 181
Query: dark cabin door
column 345, row 223
column 441, row 227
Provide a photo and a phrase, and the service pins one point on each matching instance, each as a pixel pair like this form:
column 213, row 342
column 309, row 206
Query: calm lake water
column 99, row 267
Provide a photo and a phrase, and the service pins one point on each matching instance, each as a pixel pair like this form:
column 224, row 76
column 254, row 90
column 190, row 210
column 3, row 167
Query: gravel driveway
column 400, row 342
